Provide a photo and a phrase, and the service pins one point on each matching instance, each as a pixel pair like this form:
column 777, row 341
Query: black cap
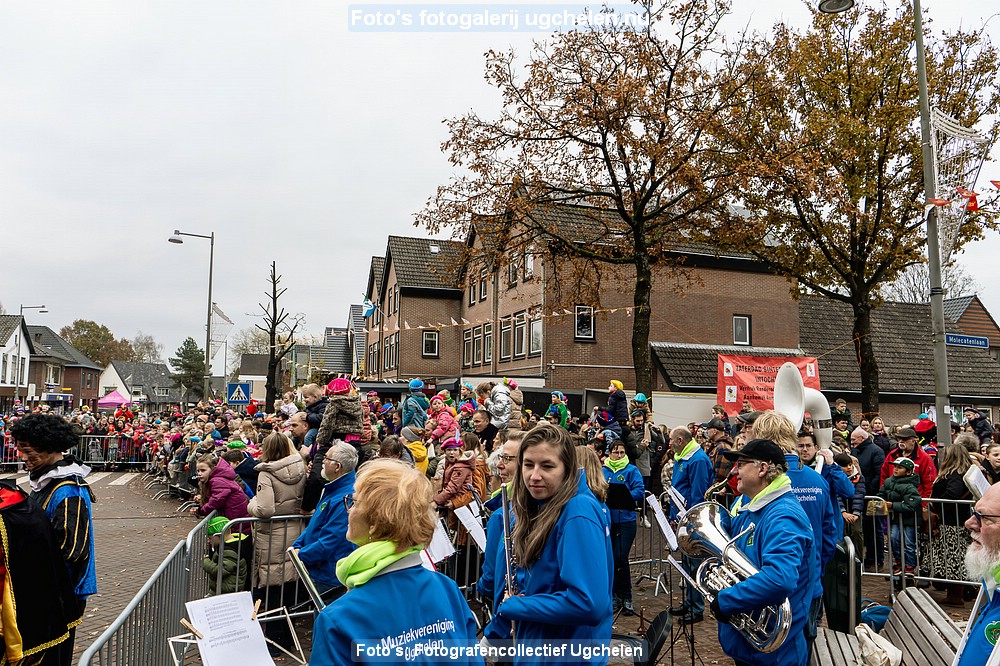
column 714, row 423
column 758, row 449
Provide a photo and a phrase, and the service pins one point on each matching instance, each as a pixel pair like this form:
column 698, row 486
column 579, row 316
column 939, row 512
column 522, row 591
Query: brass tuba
column 700, row 533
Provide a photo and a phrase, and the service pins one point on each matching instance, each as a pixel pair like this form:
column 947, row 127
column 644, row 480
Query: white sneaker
column 645, row 522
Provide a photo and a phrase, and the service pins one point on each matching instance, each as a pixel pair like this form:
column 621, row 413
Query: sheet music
column 661, row 520
column 976, row 481
column 473, row 525
column 441, row 546
column 678, row 500
column 229, row 636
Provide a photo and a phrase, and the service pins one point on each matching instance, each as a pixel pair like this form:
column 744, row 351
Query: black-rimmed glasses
column 348, row 502
column 979, row 517
column 507, row 459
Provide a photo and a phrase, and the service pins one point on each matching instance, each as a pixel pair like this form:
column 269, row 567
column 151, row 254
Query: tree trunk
column 270, row 387
column 640, row 325
column 867, row 363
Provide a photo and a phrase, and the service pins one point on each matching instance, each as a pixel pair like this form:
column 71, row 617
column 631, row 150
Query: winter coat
column 870, row 458
column 902, row 492
column 638, row 452
column 692, row 476
column 342, row 417
column 324, row 540
column 225, row 495
column 498, row 405
column 618, row 405
column 446, row 424
column 632, row 480
column 235, row 563
column 982, row 428
column 781, row 547
column 366, row 422
column 564, row 595
column 814, row 496
column 404, row 602
column 951, row 486
column 883, row 441
column 516, row 405
column 855, row 504
column 456, row 476
column 280, row 484
column 415, row 410
column 315, row 412
column 925, row 468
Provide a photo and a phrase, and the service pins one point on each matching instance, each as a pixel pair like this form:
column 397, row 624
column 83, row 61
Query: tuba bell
column 793, row 399
column 700, row 533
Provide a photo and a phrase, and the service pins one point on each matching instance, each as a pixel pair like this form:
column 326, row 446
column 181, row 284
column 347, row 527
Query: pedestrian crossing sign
column 238, row 393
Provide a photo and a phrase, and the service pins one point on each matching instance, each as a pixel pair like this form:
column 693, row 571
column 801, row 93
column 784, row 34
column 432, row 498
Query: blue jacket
column 567, row 596
column 814, row 496
column 840, row 488
column 404, row 598
column 492, row 582
column 631, row 479
column 324, row 540
column 978, row 648
column 415, row 410
column 692, row 477
column 780, row 546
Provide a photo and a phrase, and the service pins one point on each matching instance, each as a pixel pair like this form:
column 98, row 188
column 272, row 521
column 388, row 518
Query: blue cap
column 640, row 397
column 416, row 384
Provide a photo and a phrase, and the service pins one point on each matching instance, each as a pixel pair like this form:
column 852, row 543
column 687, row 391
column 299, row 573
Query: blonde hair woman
column 390, row 595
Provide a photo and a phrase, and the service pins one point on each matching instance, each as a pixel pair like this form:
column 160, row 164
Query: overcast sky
column 274, row 125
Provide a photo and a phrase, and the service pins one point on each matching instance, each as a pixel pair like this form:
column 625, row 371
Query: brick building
column 65, row 377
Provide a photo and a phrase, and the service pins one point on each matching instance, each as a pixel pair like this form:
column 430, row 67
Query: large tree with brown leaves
column 833, row 171
column 626, row 125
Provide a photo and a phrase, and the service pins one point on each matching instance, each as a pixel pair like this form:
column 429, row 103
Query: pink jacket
column 446, row 424
column 224, row 494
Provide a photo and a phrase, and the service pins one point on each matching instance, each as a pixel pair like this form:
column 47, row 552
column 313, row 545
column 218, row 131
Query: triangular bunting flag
column 465, row 321
column 996, row 183
column 406, row 325
column 973, row 204
column 453, row 322
column 938, row 202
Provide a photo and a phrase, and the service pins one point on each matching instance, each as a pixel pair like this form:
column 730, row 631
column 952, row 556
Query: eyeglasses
column 348, row 502
column 979, row 517
column 505, row 459
column 744, row 461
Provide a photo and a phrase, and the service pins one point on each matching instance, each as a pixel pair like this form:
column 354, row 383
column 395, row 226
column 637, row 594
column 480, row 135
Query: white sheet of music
column 662, row 521
column 473, row 525
column 229, row 636
column 441, row 546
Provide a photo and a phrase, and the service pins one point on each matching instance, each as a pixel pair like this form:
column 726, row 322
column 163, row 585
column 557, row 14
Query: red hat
column 338, row 386
column 467, row 407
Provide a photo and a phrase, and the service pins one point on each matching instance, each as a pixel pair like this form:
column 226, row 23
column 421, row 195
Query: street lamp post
column 176, row 238
column 20, row 334
column 941, row 389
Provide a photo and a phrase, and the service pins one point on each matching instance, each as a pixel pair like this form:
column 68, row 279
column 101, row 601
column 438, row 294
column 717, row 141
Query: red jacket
column 925, row 468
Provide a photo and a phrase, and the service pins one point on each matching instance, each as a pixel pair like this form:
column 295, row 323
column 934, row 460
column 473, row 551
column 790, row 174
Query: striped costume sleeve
column 71, row 521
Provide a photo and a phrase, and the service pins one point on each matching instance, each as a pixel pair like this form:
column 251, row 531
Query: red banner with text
column 751, row 379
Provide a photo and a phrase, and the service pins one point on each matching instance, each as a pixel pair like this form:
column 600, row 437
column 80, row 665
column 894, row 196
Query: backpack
column 874, row 614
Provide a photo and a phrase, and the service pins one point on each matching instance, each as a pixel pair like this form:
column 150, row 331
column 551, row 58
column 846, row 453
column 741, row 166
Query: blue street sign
column 977, row 341
column 238, row 393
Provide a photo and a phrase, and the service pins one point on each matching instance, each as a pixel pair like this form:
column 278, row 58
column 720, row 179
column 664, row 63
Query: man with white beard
column 983, row 563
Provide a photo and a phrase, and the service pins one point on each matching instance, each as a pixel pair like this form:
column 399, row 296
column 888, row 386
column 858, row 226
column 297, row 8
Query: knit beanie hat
column 467, row 408
column 553, row 411
column 217, row 525
column 604, row 417
column 416, row 385
column 617, row 385
column 338, row 386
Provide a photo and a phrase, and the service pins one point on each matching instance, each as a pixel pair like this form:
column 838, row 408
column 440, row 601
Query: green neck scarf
column 368, row 560
column 781, row 482
column 510, row 490
column 690, row 448
column 617, row 465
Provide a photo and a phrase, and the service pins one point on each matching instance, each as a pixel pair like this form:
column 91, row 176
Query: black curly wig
column 45, row 433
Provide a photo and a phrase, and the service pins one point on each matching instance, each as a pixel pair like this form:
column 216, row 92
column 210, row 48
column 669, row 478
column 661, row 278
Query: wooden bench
column 916, row 625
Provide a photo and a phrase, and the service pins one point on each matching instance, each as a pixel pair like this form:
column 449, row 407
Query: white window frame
column 488, row 343
column 52, row 374
column 588, row 311
column 467, row 347
column 748, row 321
column 477, row 345
column 506, row 336
column 483, row 283
column 528, row 265
column 472, row 291
column 162, row 392
column 520, row 330
column 429, row 337
column 535, row 325
column 512, row 271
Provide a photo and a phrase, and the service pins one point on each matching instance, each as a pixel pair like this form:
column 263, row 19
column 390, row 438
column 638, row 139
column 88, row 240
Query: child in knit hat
column 235, row 560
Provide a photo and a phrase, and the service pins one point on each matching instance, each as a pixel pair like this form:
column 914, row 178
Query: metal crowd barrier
column 929, row 549
column 110, row 452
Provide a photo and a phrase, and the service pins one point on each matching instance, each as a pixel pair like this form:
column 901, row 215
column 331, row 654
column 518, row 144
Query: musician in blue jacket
column 324, row 540
column 392, row 602
column 561, row 540
column 620, row 473
column 492, row 581
column 813, row 494
column 693, row 475
column 778, row 546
